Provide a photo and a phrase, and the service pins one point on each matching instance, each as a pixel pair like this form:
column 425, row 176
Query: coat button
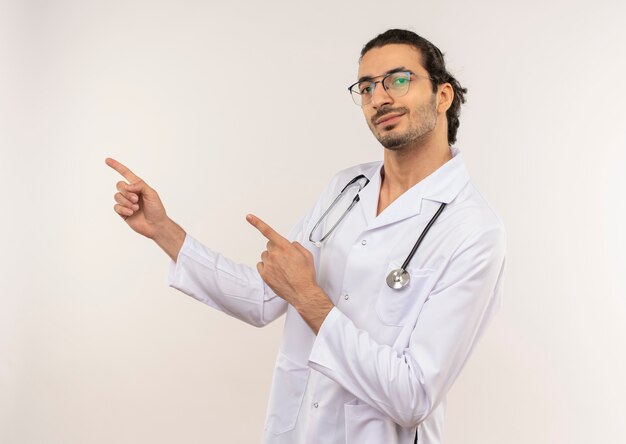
column 346, row 297
column 316, row 405
column 364, row 242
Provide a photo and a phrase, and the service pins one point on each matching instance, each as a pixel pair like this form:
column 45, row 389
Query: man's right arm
column 197, row 271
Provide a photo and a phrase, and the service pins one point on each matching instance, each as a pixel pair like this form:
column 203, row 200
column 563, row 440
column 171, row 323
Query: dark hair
column 433, row 63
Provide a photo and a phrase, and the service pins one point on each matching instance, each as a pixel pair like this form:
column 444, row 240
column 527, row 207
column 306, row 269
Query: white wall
column 94, row 348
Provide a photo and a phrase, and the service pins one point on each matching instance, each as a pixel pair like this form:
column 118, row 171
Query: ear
column 445, row 94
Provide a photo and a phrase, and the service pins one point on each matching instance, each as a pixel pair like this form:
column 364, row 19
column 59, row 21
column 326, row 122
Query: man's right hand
column 142, row 209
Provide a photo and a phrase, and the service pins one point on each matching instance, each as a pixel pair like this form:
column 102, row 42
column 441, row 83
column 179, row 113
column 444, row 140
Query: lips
column 388, row 118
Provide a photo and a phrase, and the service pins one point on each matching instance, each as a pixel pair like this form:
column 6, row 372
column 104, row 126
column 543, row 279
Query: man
column 378, row 325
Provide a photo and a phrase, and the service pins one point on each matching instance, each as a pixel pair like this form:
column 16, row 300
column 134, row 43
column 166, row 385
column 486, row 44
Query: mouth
column 388, row 119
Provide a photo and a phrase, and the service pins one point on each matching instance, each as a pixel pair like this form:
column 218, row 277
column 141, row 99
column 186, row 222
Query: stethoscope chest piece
column 398, row 279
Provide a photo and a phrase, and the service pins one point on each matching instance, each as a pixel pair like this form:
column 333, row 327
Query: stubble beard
column 419, row 129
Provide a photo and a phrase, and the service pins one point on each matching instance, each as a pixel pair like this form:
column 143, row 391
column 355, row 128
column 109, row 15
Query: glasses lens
column 357, row 91
column 335, row 213
column 397, row 83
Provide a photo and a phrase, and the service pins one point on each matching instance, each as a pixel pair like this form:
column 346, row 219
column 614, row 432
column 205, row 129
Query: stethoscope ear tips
column 398, row 279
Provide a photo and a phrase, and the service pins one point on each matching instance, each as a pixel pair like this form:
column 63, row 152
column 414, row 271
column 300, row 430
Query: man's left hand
column 288, row 268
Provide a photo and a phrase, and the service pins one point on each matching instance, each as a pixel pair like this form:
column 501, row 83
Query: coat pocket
column 288, row 386
column 395, row 306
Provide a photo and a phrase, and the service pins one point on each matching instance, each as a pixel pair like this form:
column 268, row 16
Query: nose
column 380, row 96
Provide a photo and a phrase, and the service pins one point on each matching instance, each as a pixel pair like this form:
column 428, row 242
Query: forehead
column 378, row 61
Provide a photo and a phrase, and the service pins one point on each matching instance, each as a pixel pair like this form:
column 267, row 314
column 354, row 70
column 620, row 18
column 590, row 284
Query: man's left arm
column 404, row 386
column 407, row 386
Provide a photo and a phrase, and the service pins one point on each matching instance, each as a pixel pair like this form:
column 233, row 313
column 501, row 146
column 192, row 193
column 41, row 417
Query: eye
column 365, row 88
column 399, row 81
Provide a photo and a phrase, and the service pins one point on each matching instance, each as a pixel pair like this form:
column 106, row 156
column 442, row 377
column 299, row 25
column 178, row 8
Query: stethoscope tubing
column 421, row 238
column 398, row 278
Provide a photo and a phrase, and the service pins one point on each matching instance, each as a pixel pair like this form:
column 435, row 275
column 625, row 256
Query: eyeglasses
column 337, row 210
column 396, row 84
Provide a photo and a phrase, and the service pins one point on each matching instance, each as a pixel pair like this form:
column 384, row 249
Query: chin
column 393, row 141
column 398, row 142
column 394, row 144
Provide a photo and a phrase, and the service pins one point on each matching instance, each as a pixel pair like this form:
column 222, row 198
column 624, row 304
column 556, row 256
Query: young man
column 387, row 282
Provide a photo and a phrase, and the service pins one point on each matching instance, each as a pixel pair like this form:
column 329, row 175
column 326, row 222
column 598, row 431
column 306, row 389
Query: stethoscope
column 396, row 279
column 399, row 277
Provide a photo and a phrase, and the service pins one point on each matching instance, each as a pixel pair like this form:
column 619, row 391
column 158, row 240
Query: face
column 399, row 122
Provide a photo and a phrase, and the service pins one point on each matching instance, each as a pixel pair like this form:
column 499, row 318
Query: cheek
column 368, row 119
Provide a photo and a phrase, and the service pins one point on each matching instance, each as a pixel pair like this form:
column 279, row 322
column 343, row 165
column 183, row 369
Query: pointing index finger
column 265, row 229
column 122, row 169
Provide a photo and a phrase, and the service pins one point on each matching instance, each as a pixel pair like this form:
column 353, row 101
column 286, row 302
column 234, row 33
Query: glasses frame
column 354, row 93
column 332, row 205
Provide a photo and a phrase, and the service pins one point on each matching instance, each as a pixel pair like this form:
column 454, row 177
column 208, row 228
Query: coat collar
column 442, row 186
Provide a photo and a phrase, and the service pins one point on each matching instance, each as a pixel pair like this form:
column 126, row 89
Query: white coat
column 383, row 360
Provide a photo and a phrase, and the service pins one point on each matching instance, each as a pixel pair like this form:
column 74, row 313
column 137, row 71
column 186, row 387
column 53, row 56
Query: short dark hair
column 433, row 62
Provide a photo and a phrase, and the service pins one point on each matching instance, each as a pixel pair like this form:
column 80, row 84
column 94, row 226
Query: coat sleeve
column 406, row 386
column 233, row 288
column 219, row 282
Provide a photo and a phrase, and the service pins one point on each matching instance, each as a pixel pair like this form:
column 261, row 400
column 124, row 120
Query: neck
column 408, row 166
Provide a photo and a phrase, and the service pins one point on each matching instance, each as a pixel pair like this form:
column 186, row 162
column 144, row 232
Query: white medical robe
column 383, row 360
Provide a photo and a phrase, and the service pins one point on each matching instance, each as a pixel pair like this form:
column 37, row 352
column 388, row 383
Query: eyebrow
column 391, row 71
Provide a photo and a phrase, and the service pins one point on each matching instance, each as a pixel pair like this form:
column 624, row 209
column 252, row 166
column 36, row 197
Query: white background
column 235, row 107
